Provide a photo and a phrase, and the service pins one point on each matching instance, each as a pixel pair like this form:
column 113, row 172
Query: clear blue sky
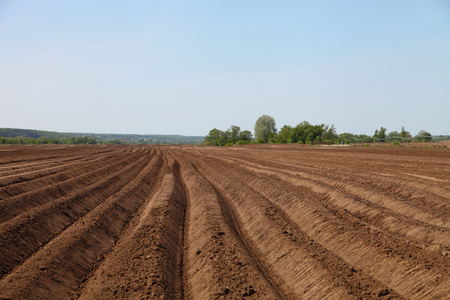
column 185, row 67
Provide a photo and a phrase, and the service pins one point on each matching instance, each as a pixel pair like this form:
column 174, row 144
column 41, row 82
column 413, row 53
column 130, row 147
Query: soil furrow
column 394, row 270
column 18, row 156
column 26, row 233
column 74, row 154
column 146, row 261
column 254, row 221
column 430, row 164
column 27, row 166
column 25, row 177
column 402, row 229
column 436, row 195
column 411, row 245
column 10, row 208
column 382, row 212
column 66, row 172
column 364, row 156
column 300, row 273
column 72, row 254
column 218, row 265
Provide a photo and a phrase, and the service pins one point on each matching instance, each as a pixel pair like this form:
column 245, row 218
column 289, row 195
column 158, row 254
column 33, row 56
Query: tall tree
column 329, row 134
column 264, row 126
column 380, row 135
column 233, row 134
column 405, row 134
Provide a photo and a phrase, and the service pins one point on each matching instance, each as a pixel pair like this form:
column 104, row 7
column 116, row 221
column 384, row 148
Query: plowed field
column 256, row 222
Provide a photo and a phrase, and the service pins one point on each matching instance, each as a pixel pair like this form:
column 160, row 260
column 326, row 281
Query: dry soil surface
column 253, row 222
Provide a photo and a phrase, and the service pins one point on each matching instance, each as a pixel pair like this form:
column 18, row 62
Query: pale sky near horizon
column 186, row 67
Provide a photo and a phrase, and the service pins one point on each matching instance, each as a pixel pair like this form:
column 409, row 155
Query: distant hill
column 11, row 133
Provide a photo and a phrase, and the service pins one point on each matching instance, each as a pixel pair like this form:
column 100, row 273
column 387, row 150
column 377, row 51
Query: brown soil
column 256, row 222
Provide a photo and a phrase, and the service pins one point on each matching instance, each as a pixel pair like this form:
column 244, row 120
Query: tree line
column 380, row 136
column 266, row 132
column 85, row 140
column 232, row 136
column 21, row 140
column 305, row 133
column 31, row 136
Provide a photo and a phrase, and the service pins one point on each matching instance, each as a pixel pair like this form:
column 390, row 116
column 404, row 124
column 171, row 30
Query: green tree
column 405, row 134
column 300, row 132
column 213, row 137
column 245, row 136
column 42, row 140
column 284, row 134
column 263, row 127
column 309, row 138
column 233, row 134
column 393, row 134
column 273, row 137
column 329, row 134
column 347, row 138
column 380, row 135
column 423, row 136
column 307, row 133
column 21, row 140
column 54, row 141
